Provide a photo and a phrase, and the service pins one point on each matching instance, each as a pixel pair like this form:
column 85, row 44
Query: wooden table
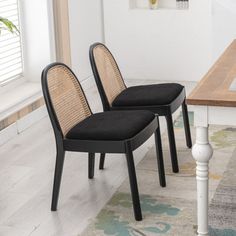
column 214, row 103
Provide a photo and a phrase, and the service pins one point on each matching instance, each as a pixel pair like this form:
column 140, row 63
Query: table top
column 214, row 88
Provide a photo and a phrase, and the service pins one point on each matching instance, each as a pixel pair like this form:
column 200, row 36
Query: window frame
column 20, row 78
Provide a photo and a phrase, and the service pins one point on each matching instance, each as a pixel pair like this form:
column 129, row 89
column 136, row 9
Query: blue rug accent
column 222, row 232
column 172, row 211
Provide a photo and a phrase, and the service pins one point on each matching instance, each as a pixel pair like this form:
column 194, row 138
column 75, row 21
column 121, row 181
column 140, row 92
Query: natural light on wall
column 11, row 65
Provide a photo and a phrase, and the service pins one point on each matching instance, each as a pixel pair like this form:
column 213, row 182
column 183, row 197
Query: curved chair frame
column 161, row 110
column 94, row 146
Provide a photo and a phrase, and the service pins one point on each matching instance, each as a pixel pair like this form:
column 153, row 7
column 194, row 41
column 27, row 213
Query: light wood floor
column 26, row 176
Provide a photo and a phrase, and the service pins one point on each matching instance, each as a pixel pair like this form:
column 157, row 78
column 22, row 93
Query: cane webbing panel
column 109, row 73
column 67, row 97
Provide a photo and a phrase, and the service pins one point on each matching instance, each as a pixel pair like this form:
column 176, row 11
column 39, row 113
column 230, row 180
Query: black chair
column 77, row 129
column 161, row 99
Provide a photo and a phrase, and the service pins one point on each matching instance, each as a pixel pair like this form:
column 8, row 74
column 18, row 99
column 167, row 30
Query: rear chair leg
column 186, row 125
column 91, row 162
column 171, row 135
column 57, row 177
column 133, row 183
column 102, row 160
column 160, row 162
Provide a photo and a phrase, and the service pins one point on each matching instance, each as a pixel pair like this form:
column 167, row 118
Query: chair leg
column 101, row 162
column 57, row 177
column 133, row 184
column 186, row 125
column 160, row 162
column 171, row 135
column 91, row 162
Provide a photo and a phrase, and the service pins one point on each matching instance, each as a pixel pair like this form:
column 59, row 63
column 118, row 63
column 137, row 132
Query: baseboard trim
column 8, row 133
column 30, row 119
column 19, row 114
column 22, row 124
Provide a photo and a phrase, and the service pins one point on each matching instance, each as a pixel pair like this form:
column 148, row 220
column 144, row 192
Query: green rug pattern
column 172, row 210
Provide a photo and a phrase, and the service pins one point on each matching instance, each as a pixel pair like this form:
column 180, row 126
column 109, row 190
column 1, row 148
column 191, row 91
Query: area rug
column 172, row 210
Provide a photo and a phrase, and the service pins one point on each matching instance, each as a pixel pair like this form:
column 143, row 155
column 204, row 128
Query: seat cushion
column 148, row 95
column 111, row 125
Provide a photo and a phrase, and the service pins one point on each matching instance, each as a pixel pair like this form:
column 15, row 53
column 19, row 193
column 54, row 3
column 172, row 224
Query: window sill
column 18, row 97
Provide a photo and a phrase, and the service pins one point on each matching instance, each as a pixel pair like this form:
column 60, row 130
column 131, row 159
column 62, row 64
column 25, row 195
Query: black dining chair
column 77, row 129
column 162, row 99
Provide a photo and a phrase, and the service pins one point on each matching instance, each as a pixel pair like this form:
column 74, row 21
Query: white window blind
column 10, row 44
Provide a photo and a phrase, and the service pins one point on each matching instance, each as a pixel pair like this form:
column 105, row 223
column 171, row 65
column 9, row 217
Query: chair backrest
column 64, row 97
column 107, row 74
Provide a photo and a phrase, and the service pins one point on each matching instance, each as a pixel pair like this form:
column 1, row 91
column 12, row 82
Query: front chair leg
column 133, row 183
column 171, row 136
column 160, row 162
column 57, row 177
column 101, row 162
column 91, row 162
column 186, row 125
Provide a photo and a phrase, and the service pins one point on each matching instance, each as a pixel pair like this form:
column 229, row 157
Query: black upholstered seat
column 161, row 99
column 148, row 95
column 77, row 129
column 111, row 125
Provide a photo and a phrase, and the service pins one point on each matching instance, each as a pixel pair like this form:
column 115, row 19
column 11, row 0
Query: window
column 11, row 65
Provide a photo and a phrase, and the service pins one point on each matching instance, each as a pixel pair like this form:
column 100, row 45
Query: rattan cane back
column 109, row 73
column 67, row 97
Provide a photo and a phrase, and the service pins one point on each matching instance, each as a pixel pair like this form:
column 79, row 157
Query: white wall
column 166, row 44
column 38, row 36
column 86, row 27
column 224, row 25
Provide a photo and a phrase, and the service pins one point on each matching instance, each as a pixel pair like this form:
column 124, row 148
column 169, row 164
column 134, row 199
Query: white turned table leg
column 202, row 153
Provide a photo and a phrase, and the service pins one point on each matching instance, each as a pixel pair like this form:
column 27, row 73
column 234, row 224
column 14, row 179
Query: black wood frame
column 94, row 146
column 161, row 110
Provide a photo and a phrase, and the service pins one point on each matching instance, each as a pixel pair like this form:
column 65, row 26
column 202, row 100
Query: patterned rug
column 172, row 210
